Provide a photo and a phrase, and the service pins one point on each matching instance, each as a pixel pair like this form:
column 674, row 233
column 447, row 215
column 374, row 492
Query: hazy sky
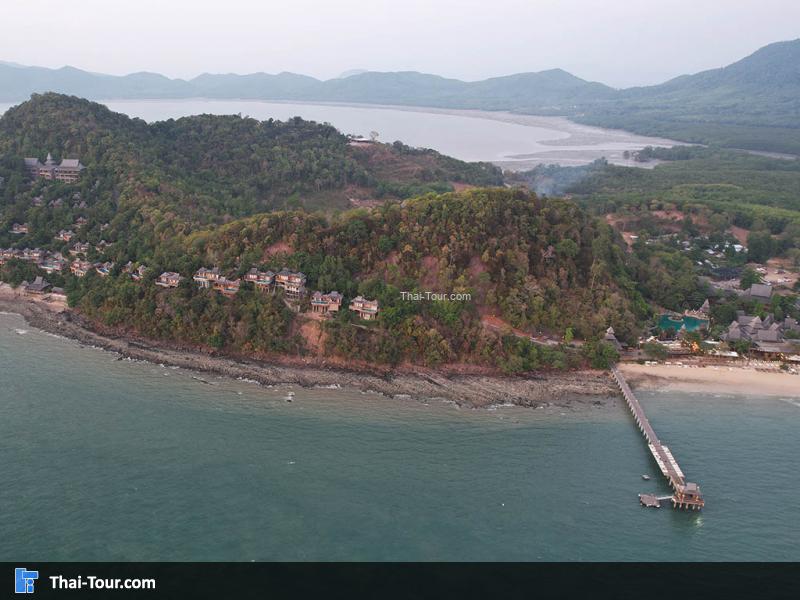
column 618, row 42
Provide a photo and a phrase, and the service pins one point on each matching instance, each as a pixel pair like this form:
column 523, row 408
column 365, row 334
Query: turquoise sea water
column 103, row 459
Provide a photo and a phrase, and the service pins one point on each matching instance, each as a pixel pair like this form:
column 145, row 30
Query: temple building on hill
column 67, row 171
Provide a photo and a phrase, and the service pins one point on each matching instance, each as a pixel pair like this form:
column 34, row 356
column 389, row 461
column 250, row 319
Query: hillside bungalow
column 136, row 274
column 19, row 228
column 293, row 283
column 227, row 287
column 53, row 263
column 365, row 309
column 7, row 254
column 39, row 287
column 326, row 303
column 65, row 235
column 67, row 171
column 262, row 280
column 168, row 279
column 80, row 222
column 80, row 248
column 35, row 255
column 206, row 277
column 104, row 269
column 80, row 268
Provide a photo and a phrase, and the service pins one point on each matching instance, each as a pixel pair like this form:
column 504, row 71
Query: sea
column 104, row 459
column 512, row 141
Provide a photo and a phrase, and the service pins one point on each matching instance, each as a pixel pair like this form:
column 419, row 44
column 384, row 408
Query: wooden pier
column 686, row 494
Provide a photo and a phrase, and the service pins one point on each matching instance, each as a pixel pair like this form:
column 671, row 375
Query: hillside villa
column 65, row 235
column 168, row 279
column 136, row 274
column 67, row 171
column 80, row 268
column 227, row 287
column 206, row 277
column 293, row 283
column 80, row 248
column 19, row 228
column 104, row 269
column 365, row 309
column 326, row 303
column 262, row 280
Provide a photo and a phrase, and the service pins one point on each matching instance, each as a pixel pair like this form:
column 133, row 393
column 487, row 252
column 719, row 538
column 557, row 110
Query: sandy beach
column 717, row 379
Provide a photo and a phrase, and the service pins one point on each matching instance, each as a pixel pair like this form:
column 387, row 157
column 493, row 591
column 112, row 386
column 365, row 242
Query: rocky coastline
column 476, row 389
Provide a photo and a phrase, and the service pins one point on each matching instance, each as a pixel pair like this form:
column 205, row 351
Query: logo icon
column 24, row 579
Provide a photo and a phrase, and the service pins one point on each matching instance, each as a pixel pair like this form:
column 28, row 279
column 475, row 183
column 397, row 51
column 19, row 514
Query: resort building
column 168, row 279
column 136, row 274
column 759, row 291
column 19, row 228
column 104, row 269
column 293, row 283
column 37, row 288
column 206, row 277
column 80, row 248
column 326, row 303
column 7, row 254
column 53, row 263
column 227, row 287
column 262, row 280
column 67, row 171
column 65, row 235
column 767, row 335
column 365, row 309
column 80, row 268
column 80, row 222
column 611, row 338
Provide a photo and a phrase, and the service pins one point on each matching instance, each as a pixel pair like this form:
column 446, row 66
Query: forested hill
column 211, row 168
column 753, row 104
column 539, row 265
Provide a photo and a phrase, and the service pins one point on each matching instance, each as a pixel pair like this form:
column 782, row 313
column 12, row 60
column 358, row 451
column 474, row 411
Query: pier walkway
column 687, row 494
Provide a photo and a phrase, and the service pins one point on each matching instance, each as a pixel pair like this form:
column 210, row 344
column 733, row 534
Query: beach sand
column 719, row 379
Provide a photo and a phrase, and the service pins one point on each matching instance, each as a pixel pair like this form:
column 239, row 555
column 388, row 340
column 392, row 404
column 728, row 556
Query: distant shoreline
column 571, row 144
column 469, row 389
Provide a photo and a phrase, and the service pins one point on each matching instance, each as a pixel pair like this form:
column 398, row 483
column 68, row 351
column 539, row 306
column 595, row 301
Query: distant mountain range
column 753, row 103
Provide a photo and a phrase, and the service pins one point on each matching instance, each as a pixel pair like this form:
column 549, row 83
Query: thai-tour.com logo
column 24, row 580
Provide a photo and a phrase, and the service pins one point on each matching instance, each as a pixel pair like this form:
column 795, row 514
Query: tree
column 748, row 278
column 760, row 246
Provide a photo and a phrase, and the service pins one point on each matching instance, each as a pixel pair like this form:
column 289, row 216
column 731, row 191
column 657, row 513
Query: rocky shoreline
column 571, row 389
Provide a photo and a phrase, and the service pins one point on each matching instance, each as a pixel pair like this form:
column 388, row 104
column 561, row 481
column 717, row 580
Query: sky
column 617, row 42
